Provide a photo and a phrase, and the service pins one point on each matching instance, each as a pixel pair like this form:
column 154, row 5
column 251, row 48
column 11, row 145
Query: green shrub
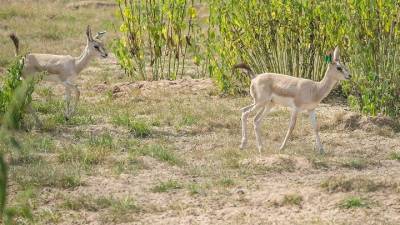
column 353, row 202
column 159, row 34
column 292, row 37
column 15, row 95
column 289, row 37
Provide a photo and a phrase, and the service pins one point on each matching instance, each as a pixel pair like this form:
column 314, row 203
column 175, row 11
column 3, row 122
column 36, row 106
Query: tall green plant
column 289, row 37
column 292, row 37
column 17, row 102
column 157, row 38
column 374, row 32
column 15, row 95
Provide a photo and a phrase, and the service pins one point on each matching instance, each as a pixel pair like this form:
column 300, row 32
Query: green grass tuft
column 292, row 199
column 161, row 153
column 166, row 186
column 344, row 184
column 353, row 202
column 357, row 164
column 395, row 156
column 139, row 128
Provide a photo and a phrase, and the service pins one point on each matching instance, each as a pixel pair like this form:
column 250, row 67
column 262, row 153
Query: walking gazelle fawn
column 299, row 94
column 65, row 67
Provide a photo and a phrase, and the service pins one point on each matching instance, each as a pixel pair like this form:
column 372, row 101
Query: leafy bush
column 373, row 29
column 15, row 95
column 289, row 37
column 158, row 35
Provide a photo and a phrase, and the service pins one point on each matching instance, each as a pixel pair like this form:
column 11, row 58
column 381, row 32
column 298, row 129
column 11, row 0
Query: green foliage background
column 290, row 37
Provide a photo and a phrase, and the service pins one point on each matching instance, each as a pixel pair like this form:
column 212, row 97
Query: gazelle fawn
column 270, row 89
column 64, row 67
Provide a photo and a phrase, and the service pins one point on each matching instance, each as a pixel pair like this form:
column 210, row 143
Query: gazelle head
column 336, row 68
column 94, row 45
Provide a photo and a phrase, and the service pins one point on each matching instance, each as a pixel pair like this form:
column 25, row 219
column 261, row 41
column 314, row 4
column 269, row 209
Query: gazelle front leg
column 67, row 99
column 313, row 118
column 245, row 114
column 69, row 87
column 77, row 97
column 293, row 119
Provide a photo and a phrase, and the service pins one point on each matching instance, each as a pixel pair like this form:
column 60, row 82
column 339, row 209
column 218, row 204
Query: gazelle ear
column 336, row 57
column 89, row 33
column 99, row 35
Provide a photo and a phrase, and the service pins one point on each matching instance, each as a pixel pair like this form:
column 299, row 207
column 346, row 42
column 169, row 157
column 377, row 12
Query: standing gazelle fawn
column 64, row 67
column 270, row 89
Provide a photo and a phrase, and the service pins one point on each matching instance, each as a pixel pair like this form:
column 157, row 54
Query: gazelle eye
column 96, row 47
column 339, row 68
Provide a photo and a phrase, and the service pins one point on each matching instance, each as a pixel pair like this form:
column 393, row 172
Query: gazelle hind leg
column 291, row 126
column 245, row 114
column 257, row 124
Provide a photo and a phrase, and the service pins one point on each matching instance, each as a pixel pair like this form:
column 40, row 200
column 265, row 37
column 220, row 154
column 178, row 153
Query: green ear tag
column 328, row 58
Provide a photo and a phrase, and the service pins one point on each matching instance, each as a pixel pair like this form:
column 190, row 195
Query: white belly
column 284, row 101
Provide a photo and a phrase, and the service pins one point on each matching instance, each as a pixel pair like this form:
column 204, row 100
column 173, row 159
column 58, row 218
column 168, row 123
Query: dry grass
column 167, row 152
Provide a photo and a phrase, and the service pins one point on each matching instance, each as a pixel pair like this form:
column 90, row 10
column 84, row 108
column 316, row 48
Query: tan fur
column 271, row 89
column 64, row 67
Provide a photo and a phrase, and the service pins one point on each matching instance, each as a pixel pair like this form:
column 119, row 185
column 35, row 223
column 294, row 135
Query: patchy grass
column 87, row 202
column 43, row 174
column 353, row 202
column 283, row 164
column 395, row 156
column 226, row 182
column 104, row 141
column 161, row 153
column 196, row 189
column 292, row 199
column 166, row 186
column 22, row 207
column 121, row 211
column 357, row 164
column 85, row 155
column 131, row 165
column 139, row 128
column 189, row 120
column 344, row 184
column 319, row 162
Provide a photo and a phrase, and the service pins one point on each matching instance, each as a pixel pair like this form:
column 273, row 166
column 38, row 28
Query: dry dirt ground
column 166, row 152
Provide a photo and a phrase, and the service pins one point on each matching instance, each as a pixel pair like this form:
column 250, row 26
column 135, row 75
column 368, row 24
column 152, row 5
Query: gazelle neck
column 83, row 60
column 326, row 85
